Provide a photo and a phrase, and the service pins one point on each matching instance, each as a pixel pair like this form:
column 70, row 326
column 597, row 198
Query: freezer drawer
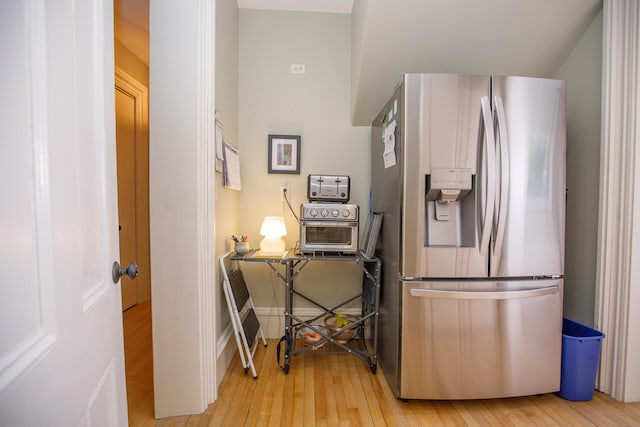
column 476, row 339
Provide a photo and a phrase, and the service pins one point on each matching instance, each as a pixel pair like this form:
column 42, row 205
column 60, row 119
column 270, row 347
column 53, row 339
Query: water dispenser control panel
column 448, row 184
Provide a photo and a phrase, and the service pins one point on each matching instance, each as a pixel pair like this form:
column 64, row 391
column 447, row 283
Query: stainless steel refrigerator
column 469, row 173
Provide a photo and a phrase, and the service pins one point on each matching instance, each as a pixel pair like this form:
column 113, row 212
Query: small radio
column 328, row 188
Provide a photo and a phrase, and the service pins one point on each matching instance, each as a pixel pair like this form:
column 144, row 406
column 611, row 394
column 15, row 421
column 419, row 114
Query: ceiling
column 507, row 37
column 391, row 37
column 330, row 6
column 131, row 26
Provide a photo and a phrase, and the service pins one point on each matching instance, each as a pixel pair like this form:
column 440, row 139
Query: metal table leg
column 288, row 330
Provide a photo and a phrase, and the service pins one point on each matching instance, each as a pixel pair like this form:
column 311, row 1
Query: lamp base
column 272, row 246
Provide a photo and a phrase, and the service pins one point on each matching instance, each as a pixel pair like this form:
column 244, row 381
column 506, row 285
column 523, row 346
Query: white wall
column 316, row 106
column 226, row 201
column 583, row 72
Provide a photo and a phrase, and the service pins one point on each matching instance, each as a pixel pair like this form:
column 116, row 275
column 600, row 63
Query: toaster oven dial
column 335, row 213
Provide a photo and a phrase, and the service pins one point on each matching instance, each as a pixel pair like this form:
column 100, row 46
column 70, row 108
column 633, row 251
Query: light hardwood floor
column 338, row 389
column 138, row 360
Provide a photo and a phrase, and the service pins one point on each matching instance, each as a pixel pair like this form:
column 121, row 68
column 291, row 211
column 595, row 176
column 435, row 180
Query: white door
column 61, row 350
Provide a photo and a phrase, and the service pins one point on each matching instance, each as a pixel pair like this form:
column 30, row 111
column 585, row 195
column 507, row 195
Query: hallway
column 138, row 359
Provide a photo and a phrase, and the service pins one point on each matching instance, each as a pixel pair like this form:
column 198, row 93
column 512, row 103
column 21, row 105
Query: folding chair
column 242, row 312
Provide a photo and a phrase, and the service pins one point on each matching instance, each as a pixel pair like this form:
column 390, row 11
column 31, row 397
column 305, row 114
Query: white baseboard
column 225, row 350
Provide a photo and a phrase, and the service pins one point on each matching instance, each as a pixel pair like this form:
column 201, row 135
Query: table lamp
column 273, row 229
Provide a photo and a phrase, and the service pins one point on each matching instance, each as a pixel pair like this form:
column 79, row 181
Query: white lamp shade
column 273, row 229
column 273, row 226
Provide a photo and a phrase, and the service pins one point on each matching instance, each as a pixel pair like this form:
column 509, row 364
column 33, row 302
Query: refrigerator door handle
column 484, row 295
column 487, row 141
column 502, row 198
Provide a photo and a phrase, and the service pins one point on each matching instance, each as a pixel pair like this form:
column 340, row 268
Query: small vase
column 242, row 247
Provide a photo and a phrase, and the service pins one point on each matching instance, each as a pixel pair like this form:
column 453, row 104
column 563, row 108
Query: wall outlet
column 297, row 69
column 284, row 189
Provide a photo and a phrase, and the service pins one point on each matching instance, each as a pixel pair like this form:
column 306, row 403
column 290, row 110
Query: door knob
column 117, row 272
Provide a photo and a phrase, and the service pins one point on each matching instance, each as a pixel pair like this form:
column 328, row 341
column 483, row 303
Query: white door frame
column 181, row 193
column 618, row 271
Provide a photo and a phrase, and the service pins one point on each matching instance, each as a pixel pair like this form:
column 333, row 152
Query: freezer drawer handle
column 495, row 295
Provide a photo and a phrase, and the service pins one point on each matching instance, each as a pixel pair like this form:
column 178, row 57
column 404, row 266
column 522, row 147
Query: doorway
column 132, row 146
column 132, row 153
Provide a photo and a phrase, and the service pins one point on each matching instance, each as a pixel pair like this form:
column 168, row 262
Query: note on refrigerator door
column 389, row 140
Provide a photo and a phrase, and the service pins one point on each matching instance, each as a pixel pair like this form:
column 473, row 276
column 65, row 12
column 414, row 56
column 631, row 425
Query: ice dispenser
column 450, row 210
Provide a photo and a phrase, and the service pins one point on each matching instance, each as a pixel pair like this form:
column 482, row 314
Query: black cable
column 286, row 199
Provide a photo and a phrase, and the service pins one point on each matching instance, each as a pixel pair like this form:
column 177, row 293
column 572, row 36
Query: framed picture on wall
column 284, row 154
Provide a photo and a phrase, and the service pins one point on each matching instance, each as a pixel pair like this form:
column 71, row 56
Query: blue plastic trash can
column 580, row 358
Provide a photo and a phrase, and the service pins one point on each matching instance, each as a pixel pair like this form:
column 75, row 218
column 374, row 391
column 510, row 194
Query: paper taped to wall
column 231, row 175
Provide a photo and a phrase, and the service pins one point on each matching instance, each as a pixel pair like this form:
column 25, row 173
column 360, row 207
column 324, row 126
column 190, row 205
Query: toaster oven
column 328, row 227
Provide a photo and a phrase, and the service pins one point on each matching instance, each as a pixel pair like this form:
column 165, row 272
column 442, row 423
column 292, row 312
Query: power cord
column 286, row 199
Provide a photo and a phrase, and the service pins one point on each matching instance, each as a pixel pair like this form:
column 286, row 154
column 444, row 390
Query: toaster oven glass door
column 329, row 236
